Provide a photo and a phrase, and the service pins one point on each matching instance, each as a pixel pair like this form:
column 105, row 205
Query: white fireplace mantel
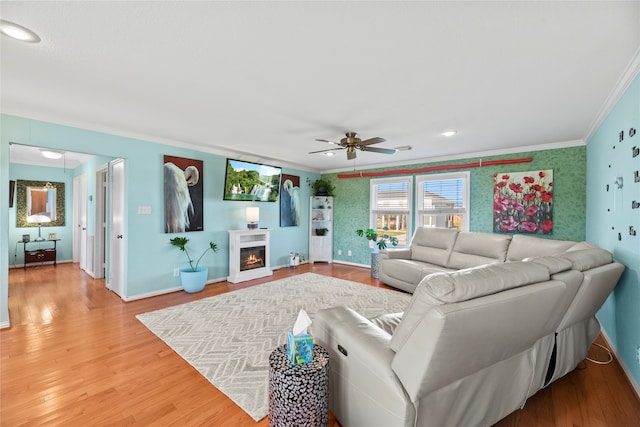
column 249, row 238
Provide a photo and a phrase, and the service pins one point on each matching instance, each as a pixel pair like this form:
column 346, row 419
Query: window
column 391, row 207
column 443, row 200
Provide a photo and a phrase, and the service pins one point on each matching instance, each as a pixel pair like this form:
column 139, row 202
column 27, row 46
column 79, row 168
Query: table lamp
column 39, row 219
column 253, row 216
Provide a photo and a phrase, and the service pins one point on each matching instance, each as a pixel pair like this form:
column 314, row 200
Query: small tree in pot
column 381, row 243
column 193, row 278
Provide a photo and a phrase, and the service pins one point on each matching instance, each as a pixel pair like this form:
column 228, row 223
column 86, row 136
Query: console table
column 40, row 254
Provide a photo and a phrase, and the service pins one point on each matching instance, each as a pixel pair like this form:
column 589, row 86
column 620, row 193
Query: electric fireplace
column 248, row 254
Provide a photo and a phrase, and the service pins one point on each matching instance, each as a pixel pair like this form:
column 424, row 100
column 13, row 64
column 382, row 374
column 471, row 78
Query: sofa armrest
column 363, row 388
column 400, row 253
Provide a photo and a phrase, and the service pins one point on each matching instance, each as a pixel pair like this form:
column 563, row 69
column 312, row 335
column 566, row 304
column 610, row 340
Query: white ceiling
column 261, row 80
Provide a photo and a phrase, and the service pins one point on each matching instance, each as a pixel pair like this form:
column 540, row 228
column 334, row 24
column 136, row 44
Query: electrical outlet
column 349, row 252
column 176, row 272
column 339, row 251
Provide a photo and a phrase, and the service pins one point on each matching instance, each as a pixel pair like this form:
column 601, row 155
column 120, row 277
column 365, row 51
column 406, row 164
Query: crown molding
column 627, row 77
column 470, row 155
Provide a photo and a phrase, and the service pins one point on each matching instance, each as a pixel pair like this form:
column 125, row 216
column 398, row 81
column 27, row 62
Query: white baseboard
column 625, row 368
column 165, row 291
column 353, row 264
column 4, row 325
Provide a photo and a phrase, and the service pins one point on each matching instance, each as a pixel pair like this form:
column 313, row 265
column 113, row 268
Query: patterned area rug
column 228, row 337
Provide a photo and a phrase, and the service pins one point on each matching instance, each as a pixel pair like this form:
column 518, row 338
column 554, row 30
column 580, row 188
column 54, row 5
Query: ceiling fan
column 352, row 143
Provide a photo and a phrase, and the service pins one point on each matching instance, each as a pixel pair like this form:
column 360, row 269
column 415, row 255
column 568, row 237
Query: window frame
column 373, row 183
column 420, row 212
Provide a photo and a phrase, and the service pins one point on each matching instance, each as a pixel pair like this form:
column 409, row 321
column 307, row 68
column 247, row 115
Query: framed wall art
column 523, row 202
column 183, row 194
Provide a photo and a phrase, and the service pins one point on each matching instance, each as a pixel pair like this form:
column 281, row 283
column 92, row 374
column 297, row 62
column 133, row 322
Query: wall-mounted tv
column 254, row 182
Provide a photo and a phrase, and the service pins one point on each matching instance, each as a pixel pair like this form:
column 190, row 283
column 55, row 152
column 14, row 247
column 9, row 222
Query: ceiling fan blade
column 326, row 140
column 376, row 140
column 379, row 150
column 323, row 151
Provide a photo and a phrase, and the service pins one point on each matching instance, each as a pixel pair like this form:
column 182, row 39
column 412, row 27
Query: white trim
column 352, row 263
column 464, row 175
column 141, row 136
column 625, row 368
column 471, row 155
column 410, row 205
column 165, row 291
column 4, row 325
column 627, row 77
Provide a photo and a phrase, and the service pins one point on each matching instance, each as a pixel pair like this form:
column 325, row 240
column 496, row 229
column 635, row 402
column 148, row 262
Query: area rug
column 228, row 337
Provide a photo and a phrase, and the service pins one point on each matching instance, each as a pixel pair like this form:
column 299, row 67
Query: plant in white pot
column 193, row 278
column 380, row 243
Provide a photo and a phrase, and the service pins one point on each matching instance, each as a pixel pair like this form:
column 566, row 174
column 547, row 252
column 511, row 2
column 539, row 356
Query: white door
column 100, row 232
column 116, row 233
column 80, row 221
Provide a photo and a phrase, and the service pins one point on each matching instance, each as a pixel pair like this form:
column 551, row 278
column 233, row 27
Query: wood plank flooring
column 76, row 355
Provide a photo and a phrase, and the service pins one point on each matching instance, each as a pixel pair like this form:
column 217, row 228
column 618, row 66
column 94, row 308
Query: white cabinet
column 321, row 229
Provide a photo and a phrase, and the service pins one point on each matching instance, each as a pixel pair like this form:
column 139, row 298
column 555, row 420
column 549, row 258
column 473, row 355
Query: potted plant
column 380, row 243
column 295, row 259
column 321, row 231
column 321, row 187
column 193, row 278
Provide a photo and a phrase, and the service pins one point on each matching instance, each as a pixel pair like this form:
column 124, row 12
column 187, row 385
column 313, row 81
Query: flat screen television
column 253, row 182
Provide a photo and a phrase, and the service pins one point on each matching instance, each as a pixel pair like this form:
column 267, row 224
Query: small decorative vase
column 194, row 281
column 375, row 265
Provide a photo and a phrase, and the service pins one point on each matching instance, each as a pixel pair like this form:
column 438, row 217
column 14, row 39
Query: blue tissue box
column 299, row 348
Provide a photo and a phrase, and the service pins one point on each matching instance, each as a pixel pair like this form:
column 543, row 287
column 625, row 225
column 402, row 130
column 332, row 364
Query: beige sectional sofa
column 493, row 319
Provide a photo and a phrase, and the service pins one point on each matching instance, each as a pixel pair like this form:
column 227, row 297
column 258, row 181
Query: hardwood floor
column 76, row 355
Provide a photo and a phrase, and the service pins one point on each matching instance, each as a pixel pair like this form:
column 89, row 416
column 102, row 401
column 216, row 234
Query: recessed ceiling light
column 450, row 132
column 51, row 154
column 18, row 32
column 329, row 153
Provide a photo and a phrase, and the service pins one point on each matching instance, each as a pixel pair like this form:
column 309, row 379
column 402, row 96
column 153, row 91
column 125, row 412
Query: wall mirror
column 39, row 203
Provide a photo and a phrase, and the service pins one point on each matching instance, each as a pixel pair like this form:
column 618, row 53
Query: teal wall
column 610, row 212
column 351, row 206
column 63, row 247
column 150, row 259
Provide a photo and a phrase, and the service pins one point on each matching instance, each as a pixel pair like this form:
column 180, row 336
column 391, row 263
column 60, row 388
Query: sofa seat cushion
column 433, row 245
column 408, row 270
column 443, row 288
column 474, row 249
column 522, row 247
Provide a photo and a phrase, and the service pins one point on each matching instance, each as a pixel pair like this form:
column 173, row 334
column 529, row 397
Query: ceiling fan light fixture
column 449, row 132
column 49, row 154
column 18, row 32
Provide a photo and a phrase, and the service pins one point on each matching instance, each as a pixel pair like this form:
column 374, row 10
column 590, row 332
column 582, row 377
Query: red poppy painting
column 522, row 202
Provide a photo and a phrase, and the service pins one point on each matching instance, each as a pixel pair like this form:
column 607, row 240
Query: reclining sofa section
column 493, row 319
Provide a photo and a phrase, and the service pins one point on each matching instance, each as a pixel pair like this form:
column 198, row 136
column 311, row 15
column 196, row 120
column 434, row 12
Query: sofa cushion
column 443, row 288
column 553, row 263
column 586, row 259
column 387, row 322
column 433, row 245
column 582, row 245
column 522, row 247
column 475, row 249
column 409, row 270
